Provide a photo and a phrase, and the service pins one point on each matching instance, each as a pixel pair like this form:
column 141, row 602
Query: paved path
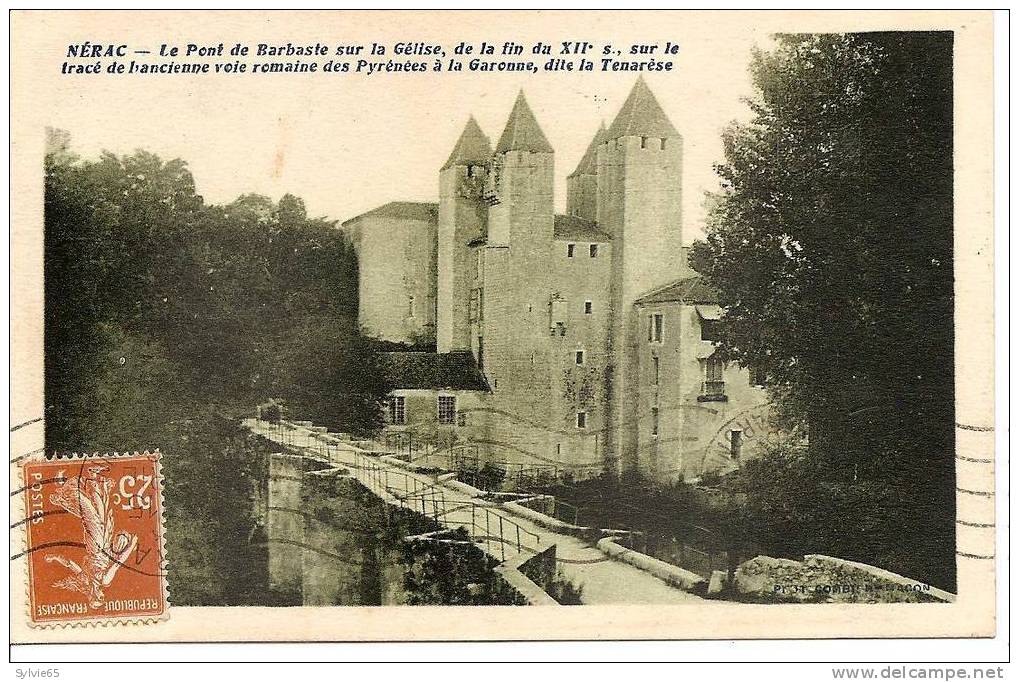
column 603, row 580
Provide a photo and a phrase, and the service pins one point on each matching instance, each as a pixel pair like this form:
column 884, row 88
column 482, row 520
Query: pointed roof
column 589, row 162
column 522, row 131
column 641, row 116
column 472, row 148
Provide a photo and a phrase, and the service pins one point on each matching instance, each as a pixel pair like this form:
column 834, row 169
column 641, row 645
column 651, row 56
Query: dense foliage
column 454, row 573
column 157, row 302
column 830, row 243
column 167, row 319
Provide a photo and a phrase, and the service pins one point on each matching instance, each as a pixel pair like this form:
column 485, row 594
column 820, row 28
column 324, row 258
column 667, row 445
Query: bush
column 453, row 574
column 271, row 413
column 490, row 477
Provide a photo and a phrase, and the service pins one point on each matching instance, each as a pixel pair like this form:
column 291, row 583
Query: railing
column 430, row 500
column 520, row 473
column 554, row 507
column 401, row 441
column 421, row 496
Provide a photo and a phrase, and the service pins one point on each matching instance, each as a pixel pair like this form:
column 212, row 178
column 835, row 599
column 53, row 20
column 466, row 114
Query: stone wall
column 334, row 543
column 824, row 579
column 285, row 522
column 344, row 560
column 397, row 262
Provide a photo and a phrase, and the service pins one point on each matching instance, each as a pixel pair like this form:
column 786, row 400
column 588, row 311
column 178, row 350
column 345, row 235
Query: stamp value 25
column 95, row 539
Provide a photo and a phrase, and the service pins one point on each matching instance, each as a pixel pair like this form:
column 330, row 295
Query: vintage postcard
column 637, row 324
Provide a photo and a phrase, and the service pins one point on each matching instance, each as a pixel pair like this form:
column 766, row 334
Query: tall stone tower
column 582, row 183
column 518, row 280
column 639, row 179
column 463, row 215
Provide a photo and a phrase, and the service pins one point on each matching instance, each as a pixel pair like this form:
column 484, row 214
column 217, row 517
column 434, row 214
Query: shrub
column 272, row 413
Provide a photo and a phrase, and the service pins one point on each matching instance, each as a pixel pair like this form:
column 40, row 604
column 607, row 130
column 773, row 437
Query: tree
column 166, row 318
column 195, row 304
column 329, row 374
column 830, row 243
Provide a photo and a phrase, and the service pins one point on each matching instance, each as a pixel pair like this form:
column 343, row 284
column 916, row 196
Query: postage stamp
column 94, row 539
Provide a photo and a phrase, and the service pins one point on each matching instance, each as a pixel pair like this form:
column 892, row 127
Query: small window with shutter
column 447, row 409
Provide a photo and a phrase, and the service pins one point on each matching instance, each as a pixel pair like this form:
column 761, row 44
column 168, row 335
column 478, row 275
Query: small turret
column 641, row 116
column 582, row 184
column 522, row 132
column 521, row 180
column 471, row 149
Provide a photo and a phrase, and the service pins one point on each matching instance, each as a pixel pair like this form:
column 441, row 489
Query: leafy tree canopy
column 153, row 294
column 830, row 243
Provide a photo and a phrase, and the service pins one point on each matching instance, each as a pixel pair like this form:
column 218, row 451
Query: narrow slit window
column 654, row 421
column 569, row 250
column 582, row 420
column 735, row 444
column 588, row 307
column 655, row 325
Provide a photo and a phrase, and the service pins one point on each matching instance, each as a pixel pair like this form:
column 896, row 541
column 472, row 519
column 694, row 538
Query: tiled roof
column 589, row 163
column 411, row 210
column 522, row 131
column 572, row 228
column 641, row 116
column 455, row 371
column 473, row 147
column 687, row 290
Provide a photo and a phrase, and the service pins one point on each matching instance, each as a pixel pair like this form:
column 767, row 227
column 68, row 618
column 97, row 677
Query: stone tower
column 518, row 280
column 639, row 183
column 463, row 215
column 582, row 184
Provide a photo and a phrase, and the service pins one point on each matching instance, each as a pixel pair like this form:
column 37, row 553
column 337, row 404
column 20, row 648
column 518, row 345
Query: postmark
column 95, row 539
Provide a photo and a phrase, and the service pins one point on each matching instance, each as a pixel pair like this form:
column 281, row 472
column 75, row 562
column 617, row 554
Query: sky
column 346, row 144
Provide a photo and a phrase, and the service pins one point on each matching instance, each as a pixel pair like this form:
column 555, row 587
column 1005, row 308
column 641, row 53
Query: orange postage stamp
column 94, row 531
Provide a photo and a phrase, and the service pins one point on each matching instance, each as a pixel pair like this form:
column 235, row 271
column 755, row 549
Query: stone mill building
column 576, row 342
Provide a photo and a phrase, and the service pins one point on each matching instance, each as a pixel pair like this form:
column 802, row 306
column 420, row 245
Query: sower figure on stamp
column 88, row 497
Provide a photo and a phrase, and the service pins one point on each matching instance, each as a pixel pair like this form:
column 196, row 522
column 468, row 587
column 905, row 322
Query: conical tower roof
column 589, row 162
column 472, row 148
column 641, row 116
column 522, row 131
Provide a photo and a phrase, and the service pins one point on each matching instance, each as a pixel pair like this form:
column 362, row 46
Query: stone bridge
column 505, row 530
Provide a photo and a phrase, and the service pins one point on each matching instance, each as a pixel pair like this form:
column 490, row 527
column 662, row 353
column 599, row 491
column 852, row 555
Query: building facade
column 585, row 329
